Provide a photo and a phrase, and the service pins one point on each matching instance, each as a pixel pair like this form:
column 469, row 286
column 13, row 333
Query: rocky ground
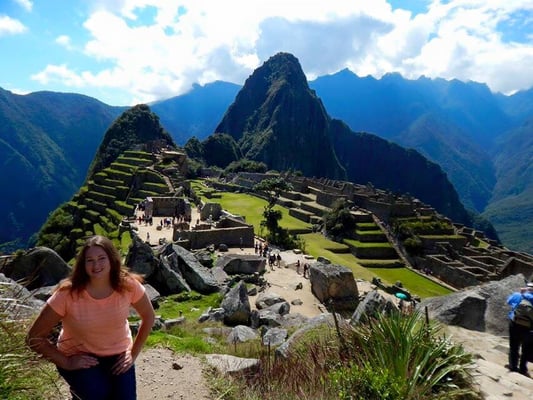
column 163, row 375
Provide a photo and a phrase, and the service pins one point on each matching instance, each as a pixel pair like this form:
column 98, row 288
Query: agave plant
column 411, row 352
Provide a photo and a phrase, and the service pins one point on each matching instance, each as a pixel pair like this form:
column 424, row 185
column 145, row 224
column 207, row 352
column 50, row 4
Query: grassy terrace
column 252, row 207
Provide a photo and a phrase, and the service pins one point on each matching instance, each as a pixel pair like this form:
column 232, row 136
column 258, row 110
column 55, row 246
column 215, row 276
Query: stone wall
column 233, row 237
column 377, row 253
column 327, row 199
column 170, row 206
column 451, row 272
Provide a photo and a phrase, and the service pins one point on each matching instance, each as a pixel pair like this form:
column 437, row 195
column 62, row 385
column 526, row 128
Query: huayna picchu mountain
column 126, row 169
column 138, row 127
column 277, row 119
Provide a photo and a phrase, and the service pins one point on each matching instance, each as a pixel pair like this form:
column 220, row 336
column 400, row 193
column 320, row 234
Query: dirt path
column 161, row 374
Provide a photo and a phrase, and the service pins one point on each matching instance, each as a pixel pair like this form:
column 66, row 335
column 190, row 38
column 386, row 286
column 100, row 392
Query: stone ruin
column 455, row 261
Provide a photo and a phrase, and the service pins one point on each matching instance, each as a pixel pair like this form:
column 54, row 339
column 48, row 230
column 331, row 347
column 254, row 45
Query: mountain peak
column 137, row 128
column 276, row 116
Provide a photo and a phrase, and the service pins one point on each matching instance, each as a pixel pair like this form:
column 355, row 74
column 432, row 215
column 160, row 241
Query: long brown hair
column 78, row 279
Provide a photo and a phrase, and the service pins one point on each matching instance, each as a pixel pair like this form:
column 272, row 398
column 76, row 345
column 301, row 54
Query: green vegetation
column 275, row 234
column 99, row 206
column 339, row 222
column 250, row 207
column 391, row 357
column 317, row 245
column 23, row 375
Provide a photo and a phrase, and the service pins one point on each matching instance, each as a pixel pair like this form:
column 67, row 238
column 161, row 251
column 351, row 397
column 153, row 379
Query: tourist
column 298, row 267
column 520, row 335
column 95, row 352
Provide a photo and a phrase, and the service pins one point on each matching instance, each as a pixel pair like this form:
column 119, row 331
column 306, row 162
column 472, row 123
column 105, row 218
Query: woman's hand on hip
column 123, row 363
column 80, row 361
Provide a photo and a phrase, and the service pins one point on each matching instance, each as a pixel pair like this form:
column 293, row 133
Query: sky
column 125, row 52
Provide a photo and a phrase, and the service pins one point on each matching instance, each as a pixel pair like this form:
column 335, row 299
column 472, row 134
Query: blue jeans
column 99, row 383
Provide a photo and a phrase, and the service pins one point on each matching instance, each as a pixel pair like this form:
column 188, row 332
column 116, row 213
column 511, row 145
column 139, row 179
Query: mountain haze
column 197, row 112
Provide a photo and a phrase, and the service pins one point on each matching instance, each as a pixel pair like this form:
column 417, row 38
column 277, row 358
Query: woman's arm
column 37, row 337
column 37, row 340
column 146, row 312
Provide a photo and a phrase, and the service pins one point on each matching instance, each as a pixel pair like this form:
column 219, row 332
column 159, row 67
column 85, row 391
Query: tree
column 220, row 150
column 339, row 222
column 273, row 187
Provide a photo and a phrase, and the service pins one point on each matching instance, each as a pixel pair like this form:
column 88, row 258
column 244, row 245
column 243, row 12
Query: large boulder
column 17, row 302
column 325, row 320
column 241, row 334
column 37, row 267
column 141, row 259
column 236, row 306
column 274, row 336
column 197, row 276
column 265, row 300
column 334, row 286
column 157, row 271
column 481, row 308
column 231, row 365
column 241, row 264
column 373, row 304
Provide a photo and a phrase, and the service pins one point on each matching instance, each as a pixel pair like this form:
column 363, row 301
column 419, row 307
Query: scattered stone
column 226, row 364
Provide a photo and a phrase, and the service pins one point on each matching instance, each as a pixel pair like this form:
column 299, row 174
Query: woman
column 95, row 352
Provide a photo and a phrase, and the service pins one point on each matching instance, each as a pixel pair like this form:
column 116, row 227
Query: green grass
column 251, row 208
column 186, row 337
column 417, row 284
column 357, row 243
column 190, row 304
column 317, row 245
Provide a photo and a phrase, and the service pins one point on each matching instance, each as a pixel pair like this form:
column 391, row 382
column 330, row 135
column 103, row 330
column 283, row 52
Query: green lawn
column 317, row 245
column 252, row 207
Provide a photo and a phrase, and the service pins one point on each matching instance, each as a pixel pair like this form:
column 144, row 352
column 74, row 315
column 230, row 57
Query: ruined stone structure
column 228, row 230
column 455, row 260
column 168, row 206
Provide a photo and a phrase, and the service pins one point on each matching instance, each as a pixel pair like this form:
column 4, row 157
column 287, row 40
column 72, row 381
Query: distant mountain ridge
column 47, row 140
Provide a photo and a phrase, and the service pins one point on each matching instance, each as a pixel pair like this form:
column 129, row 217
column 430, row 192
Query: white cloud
column 64, row 41
column 10, row 26
column 201, row 41
column 59, row 73
column 26, row 4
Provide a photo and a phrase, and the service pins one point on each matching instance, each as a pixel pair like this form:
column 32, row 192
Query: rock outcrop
column 482, row 308
column 37, row 267
column 236, row 306
column 334, row 285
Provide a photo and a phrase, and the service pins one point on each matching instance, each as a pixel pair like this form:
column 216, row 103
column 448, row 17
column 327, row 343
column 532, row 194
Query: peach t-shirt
column 95, row 326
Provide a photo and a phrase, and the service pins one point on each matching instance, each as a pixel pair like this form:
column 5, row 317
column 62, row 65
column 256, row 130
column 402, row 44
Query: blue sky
column 125, row 52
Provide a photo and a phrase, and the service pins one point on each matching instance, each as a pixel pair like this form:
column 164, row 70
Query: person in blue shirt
column 520, row 337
